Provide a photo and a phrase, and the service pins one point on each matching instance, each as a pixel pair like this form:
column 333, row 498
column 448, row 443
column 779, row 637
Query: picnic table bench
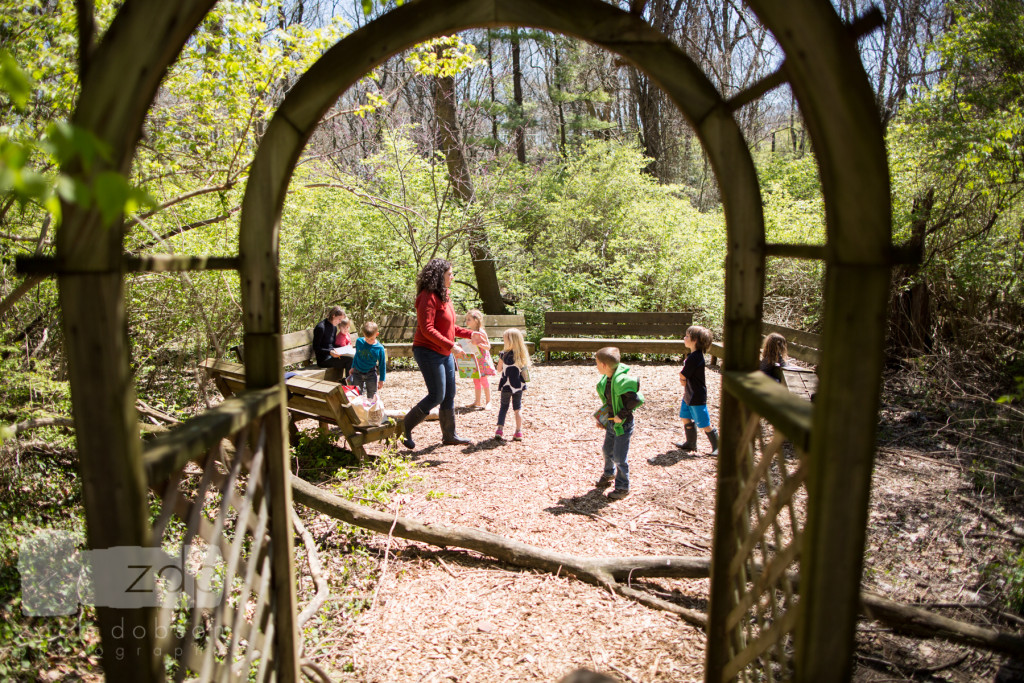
column 309, row 397
column 397, row 332
column 800, row 381
column 588, row 331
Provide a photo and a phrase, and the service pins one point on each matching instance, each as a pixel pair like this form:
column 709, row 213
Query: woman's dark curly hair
column 431, row 278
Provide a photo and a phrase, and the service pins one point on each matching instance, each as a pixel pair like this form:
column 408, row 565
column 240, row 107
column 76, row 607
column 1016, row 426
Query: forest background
column 553, row 174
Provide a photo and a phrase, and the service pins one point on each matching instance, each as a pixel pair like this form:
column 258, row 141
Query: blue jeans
column 616, row 452
column 439, row 375
column 516, row 399
column 366, row 381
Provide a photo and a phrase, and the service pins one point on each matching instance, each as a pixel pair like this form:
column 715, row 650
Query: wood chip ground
column 451, row 615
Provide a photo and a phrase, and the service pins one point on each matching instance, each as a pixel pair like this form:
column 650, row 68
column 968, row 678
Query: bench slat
column 302, row 354
column 616, row 324
column 297, row 339
column 661, row 318
column 619, row 329
column 402, row 328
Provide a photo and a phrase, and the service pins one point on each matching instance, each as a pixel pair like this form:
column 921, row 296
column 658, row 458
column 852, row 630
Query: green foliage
column 596, row 233
column 959, row 143
column 14, row 82
column 42, row 493
column 442, row 57
column 319, row 452
column 385, row 475
column 29, row 391
column 1009, row 572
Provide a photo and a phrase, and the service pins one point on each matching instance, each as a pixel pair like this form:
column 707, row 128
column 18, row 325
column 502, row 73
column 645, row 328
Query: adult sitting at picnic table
column 324, row 334
column 434, row 348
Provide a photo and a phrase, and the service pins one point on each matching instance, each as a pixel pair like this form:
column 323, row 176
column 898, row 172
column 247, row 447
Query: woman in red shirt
column 434, row 348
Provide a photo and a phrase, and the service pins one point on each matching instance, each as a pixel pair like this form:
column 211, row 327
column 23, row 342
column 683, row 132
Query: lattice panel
column 768, row 515
column 214, row 516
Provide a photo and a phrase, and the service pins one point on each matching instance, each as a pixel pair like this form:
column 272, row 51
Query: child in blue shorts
column 694, row 408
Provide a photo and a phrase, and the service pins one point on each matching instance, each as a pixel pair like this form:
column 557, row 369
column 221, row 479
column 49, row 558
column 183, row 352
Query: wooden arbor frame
column 119, row 83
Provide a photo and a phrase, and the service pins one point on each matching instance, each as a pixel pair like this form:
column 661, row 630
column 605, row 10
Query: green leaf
column 112, row 193
column 14, row 81
column 73, row 190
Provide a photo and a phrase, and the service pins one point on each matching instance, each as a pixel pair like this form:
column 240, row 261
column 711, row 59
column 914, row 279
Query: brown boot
column 448, row 435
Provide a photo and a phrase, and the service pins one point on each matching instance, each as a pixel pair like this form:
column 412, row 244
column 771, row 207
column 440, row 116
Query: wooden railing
column 768, row 517
column 211, row 476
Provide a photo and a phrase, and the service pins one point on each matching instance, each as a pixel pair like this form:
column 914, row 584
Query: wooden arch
column 119, row 83
column 824, row 68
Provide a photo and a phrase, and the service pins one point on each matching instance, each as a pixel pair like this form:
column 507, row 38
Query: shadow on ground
column 587, row 504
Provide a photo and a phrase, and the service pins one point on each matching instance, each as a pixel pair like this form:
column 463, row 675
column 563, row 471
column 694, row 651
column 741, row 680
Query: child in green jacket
column 620, row 396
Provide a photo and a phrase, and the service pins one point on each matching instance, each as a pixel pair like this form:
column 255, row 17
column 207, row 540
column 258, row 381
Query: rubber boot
column 713, row 438
column 691, row 438
column 411, row 419
column 448, row 435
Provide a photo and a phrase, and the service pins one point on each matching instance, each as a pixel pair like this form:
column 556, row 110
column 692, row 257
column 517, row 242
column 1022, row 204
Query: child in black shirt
column 694, row 408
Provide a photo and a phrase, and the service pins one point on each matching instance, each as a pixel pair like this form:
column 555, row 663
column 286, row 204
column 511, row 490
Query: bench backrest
column 402, row 328
column 808, row 339
column 296, row 348
column 613, row 325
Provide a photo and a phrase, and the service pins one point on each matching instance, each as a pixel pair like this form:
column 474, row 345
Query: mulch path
column 452, row 615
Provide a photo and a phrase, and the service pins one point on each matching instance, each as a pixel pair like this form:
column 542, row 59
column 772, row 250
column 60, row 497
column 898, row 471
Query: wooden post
column 838, row 106
column 123, row 74
column 109, row 453
column 263, row 369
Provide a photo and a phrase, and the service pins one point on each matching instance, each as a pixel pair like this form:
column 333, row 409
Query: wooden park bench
column 804, row 346
column 801, row 345
column 588, row 331
column 297, row 355
column 397, row 332
column 309, row 397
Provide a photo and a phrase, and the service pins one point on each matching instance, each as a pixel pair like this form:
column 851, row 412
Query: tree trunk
column 494, row 99
column 517, row 95
column 449, row 137
column 646, row 96
column 911, row 326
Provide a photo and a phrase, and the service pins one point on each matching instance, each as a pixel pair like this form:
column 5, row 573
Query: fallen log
column 610, row 571
column 915, row 621
column 602, row 571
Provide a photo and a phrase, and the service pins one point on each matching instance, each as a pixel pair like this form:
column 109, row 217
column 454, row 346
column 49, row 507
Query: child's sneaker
column 618, row 494
column 603, row 482
column 499, row 433
column 518, row 436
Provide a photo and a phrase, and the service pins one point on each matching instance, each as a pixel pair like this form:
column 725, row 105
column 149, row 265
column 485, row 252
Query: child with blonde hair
column 513, row 364
column 475, row 322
